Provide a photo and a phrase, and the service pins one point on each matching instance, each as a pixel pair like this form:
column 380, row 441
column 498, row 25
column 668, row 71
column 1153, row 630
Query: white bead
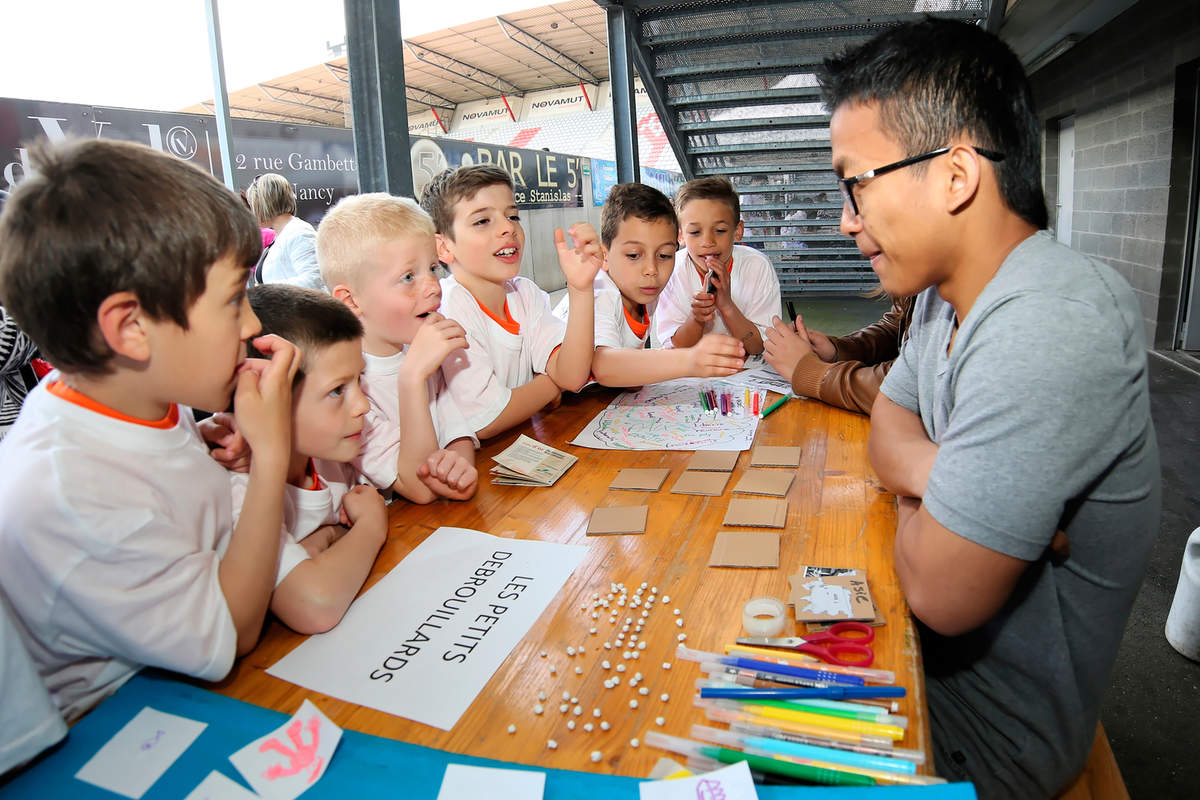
column 660, row 721
column 606, row 664
column 553, row 669
column 616, row 679
column 562, row 708
column 676, row 612
column 570, row 651
column 537, row 709
column 636, row 654
column 566, row 695
column 653, row 590
column 604, row 725
column 632, row 743
column 666, row 665
column 643, row 691
column 589, row 727
column 638, row 676
column 681, row 637
column 542, row 654
column 592, row 631
column 664, row 697
column 678, row 623
column 633, row 704
column 596, row 756
column 579, row 670
column 570, row 724
column 666, row 598
column 620, row 667
column 574, row 701
column 541, row 695
column 608, row 645
column 512, row 728
column 553, row 745
column 577, row 710
column 645, row 614
column 595, row 615
column 641, row 645
column 595, row 712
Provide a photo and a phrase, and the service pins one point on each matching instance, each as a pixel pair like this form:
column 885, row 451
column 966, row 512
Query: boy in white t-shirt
column 520, row 356
column 745, row 292
column 128, row 269
column 333, row 526
column 379, row 258
column 639, row 237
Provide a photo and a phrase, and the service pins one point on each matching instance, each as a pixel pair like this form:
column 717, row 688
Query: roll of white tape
column 764, row 616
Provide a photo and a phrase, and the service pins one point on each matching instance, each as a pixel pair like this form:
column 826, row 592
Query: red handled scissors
column 846, row 644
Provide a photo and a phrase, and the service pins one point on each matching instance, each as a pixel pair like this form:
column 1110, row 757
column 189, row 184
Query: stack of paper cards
column 829, row 594
column 528, row 462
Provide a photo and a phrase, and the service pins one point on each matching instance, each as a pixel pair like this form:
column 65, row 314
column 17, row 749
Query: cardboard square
column 714, row 460
column 642, row 480
column 759, row 549
column 757, row 512
column 771, row 482
column 706, row 483
column 828, row 598
column 618, row 519
column 766, row 456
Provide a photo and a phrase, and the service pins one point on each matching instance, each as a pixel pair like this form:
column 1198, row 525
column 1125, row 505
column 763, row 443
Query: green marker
column 776, row 766
column 774, row 406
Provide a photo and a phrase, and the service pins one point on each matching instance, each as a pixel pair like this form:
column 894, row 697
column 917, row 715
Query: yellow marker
column 785, row 657
column 892, row 732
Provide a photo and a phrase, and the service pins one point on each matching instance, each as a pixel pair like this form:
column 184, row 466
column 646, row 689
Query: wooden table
column 838, row 516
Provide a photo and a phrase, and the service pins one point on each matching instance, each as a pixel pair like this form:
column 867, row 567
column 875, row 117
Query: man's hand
column 436, row 339
column 225, row 443
column 822, row 346
column 785, row 346
column 715, row 356
column 262, row 402
column 581, row 263
column 446, row 468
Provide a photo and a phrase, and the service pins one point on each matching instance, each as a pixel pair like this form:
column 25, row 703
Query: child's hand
column 715, row 355
column 436, row 339
column 581, row 263
column 720, row 281
column 226, row 444
column 704, row 308
column 785, row 345
column 262, row 402
column 322, row 539
column 446, row 468
column 821, row 344
column 364, row 504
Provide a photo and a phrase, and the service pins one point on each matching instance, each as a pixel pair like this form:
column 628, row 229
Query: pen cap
column 699, row 656
column 717, row 736
column 675, row 744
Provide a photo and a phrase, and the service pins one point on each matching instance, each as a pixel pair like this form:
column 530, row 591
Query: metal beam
column 263, row 112
column 220, row 96
column 657, row 93
column 377, row 95
column 461, row 69
column 620, row 75
column 322, row 109
column 545, row 51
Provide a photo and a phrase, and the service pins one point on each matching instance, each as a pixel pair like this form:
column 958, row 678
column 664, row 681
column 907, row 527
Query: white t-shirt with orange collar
column 382, row 427
column 614, row 325
column 755, row 291
column 110, row 533
column 503, row 353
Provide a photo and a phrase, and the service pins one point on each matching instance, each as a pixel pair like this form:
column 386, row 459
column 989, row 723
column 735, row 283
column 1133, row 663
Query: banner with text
column 541, row 179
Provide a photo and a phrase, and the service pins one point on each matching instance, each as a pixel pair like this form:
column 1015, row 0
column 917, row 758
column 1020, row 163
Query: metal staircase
column 732, row 82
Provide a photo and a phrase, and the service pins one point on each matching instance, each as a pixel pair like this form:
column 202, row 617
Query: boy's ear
column 445, row 250
column 122, row 323
column 603, row 257
column 345, row 295
column 737, row 232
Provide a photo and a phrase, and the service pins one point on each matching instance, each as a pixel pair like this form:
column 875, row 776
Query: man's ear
column 122, row 322
column 445, row 251
column 345, row 295
column 962, row 181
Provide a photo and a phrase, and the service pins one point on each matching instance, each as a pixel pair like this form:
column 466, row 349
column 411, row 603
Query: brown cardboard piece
column 618, row 519
column 714, row 460
column 643, row 480
column 828, row 598
column 771, row 482
column 759, row 549
column 706, row 483
column 767, row 456
column 757, row 512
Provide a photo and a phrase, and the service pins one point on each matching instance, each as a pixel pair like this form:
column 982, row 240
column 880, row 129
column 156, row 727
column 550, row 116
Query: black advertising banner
column 319, row 161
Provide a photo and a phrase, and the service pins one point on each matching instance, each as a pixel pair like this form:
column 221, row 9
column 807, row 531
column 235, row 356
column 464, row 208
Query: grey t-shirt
column 1042, row 417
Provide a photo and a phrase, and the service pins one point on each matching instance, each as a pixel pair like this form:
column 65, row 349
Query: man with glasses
column 1014, row 427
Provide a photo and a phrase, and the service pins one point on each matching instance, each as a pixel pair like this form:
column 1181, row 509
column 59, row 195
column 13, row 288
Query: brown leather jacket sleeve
column 846, row 384
column 877, row 342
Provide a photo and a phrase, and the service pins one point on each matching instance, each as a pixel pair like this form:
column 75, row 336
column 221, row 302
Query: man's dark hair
column 715, row 187
column 936, row 79
column 627, row 200
column 453, row 185
column 98, row 217
column 307, row 318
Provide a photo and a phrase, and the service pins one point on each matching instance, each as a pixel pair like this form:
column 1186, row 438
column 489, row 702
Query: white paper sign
column 220, row 787
column 425, row 640
column 728, row 783
column 291, row 758
column 131, row 761
column 462, row 782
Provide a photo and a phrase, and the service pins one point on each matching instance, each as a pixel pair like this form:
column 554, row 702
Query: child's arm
column 437, row 338
column 451, row 472
column 714, row 356
column 739, row 327
column 571, row 364
column 316, row 593
column 263, row 407
column 525, row 401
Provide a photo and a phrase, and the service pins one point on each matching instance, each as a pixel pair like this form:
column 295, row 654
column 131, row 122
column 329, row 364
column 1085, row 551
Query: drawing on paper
column 827, row 598
column 302, row 757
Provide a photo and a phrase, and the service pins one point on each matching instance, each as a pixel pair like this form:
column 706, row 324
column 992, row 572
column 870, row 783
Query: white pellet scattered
column 542, row 654
column 666, row 598
column 678, row 623
column 604, row 725
column 562, row 708
column 641, row 645
column 664, row 697
column 592, row 631
column 566, row 695
column 681, row 637
column 604, row 603
column 537, row 709
column 625, row 655
column 636, row 654
column 629, row 620
column 577, row 710
column 625, row 628
column 633, row 704
column 620, row 638
column 653, row 590
column 608, row 684
column 643, row 691
column 620, row 601
column 666, row 665
column 553, row 669
column 616, row 679
column 589, row 727
column 637, row 676
column 606, row 664
column 570, row 651
column 632, row 742
column 553, row 745
column 608, row 645
column 595, row 595
column 541, row 695
column 579, row 650
column 596, row 756
column 583, row 608
column 570, row 724
column 595, row 615
column 574, row 701
column 512, row 728
column 579, row 670
column 644, row 585
column 676, row 612
column 660, row 721
column 620, row 667
column 595, row 712
column 633, row 682
column 645, row 613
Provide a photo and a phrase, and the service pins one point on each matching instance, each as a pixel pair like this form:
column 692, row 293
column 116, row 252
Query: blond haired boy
column 379, row 258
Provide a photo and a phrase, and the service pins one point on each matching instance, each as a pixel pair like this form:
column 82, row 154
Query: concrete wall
column 1120, row 85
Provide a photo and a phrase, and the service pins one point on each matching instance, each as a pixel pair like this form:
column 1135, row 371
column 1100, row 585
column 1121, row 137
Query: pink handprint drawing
column 301, row 757
column 709, row 789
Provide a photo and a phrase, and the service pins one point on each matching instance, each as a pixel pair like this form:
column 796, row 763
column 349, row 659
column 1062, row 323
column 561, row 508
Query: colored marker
column 801, row 692
column 798, row 750
column 769, row 409
column 756, row 404
column 703, row 401
column 822, row 775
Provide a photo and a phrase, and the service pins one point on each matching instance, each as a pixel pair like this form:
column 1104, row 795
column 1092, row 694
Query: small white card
column 286, row 762
column 220, row 787
column 462, row 782
column 728, row 783
column 131, row 761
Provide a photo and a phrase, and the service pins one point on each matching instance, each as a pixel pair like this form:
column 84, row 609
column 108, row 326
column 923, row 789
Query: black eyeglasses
column 847, row 184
